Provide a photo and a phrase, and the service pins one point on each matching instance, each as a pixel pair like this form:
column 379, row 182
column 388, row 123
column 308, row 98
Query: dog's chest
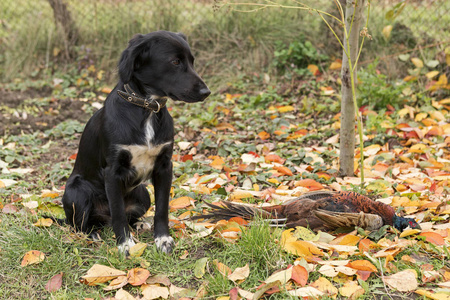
column 144, row 156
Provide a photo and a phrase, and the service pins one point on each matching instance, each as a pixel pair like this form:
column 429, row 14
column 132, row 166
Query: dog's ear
column 182, row 36
column 128, row 59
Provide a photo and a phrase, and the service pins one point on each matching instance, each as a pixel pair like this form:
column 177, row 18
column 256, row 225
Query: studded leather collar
column 153, row 103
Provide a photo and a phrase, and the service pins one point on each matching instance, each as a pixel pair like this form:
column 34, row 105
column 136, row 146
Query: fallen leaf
column 240, row 273
column 181, row 202
column 54, row 283
column 117, row 283
column 351, row 289
column 264, row 135
column 137, row 276
column 311, row 184
column 404, row 281
column 307, row 291
column 363, row 265
column 32, row 257
column 284, row 170
column 43, row 222
column 138, row 249
column 299, row 275
column 123, row 295
column 433, row 237
column 222, row 268
column 200, row 267
column 325, row 286
column 282, row 276
column 100, row 274
column 153, row 291
column 264, row 288
column 434, row 295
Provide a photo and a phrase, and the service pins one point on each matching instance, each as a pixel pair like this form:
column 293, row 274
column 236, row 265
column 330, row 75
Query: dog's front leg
column 162, row 181
column 115, row 193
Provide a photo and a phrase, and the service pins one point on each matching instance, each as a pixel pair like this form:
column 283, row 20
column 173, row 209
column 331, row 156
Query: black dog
column 130, row 140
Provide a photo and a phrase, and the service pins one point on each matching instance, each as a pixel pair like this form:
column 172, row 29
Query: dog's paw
column 124, row 248
column 164, row 243
column 95, row 236
column 142, row 226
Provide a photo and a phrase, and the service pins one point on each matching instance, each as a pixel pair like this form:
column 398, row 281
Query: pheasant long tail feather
column 338, row 219
column 230, row 210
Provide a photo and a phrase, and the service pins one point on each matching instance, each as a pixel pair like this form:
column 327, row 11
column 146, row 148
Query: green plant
column 297, row 55
column 377, row 91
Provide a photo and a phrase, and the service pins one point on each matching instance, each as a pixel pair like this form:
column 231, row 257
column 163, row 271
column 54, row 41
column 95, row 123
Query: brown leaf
column 137, row 276
column 54, row 283
column 404, row 281
column 240, row 273
column 117, row 283
column 100, row 274
column 223, row 269
column 151, row 291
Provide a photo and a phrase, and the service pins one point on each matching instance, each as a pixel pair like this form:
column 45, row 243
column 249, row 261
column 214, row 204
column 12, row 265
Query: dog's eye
column 176, row 62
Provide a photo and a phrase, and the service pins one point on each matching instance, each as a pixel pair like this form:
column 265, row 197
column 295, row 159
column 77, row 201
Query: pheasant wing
column 334, row 219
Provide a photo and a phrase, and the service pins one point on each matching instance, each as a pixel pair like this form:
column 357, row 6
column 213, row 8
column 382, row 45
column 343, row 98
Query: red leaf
column 73, row 156
column 234, row 294
column 363, row 275
column 187, row 157
column 54, row 283
column 299, row 275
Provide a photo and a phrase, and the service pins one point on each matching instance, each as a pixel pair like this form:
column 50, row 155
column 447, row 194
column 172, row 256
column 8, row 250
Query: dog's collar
column 154, row 103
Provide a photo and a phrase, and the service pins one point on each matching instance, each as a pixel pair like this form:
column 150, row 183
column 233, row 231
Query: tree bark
column 347, row 131
column 63, row 17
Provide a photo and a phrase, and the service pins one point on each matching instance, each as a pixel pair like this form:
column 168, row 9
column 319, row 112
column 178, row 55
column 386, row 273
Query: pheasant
column 319, row 210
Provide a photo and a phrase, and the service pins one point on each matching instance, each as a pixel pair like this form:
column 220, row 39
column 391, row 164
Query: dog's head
column 161, row 62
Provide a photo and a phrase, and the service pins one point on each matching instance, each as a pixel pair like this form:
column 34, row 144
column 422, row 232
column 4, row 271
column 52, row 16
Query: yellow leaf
column 239, row 194
column 351, row 289
column 217, row 163
column 431, row 74
column 49, row 194
column 325, row 286
column 387, row 31
column 286, row 108
column 43, row 222
column 301, row 248
column 349, row 240
column 313, row 69
column 336, row 65
column 409, row 232
column 434, row 296
column 100, row 274
column 32, row 257
column 200, row 267
column 138, row 249
column 417, row 62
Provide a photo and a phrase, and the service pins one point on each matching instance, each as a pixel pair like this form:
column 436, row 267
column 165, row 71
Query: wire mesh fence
column 45, row 34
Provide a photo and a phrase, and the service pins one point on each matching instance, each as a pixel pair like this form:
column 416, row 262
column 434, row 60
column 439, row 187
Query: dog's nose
column 205, row 92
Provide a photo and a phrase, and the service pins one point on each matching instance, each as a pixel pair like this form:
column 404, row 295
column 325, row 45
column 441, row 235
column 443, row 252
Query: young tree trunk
column 63, row 17
column 347, row 132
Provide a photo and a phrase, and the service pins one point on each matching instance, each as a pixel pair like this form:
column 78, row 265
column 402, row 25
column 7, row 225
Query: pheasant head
column 401, row 223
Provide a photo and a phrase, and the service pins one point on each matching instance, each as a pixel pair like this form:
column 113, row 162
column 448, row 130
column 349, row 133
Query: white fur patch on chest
column 149, row 131
column 143, row 157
